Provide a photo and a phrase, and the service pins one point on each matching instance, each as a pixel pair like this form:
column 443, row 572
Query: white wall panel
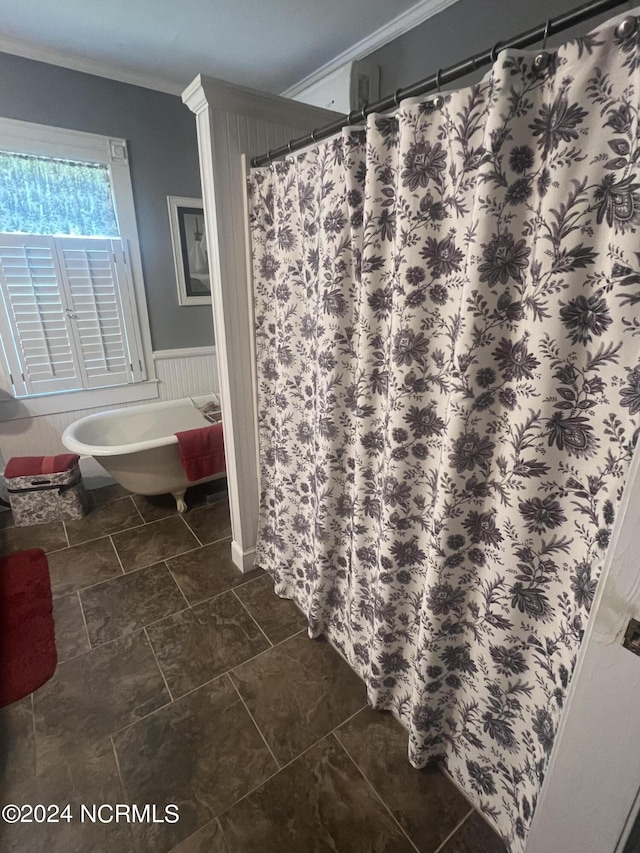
column 234, row 122
column 186, row 375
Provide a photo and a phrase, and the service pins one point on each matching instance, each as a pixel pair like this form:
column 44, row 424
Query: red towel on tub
column 202, row 452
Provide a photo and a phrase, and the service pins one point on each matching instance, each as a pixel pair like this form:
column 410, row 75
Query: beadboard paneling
column 179, row 376
column 186, row 376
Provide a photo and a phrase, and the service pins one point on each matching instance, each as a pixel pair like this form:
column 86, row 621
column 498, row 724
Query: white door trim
column 590, row 791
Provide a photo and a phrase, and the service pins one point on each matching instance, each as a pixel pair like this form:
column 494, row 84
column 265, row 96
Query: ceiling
column 267, row 44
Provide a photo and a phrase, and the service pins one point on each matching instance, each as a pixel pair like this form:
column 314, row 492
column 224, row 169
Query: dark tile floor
column 182, row 681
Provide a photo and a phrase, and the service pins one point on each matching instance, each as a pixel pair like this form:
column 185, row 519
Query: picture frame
column 190, row 251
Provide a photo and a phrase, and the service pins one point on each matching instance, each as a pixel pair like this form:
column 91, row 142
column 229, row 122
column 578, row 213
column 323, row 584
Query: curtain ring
column 546, row 33
column 494, row 52
column 396, row 97
column 289, row 146
column 312, row 135
column 438, row 75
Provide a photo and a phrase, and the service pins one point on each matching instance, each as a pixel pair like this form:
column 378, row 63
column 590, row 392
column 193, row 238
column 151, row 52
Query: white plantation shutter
column 93, row 272
column 37, row 338
column 70, row 313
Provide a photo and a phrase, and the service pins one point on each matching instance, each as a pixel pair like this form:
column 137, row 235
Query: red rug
column 27, row 637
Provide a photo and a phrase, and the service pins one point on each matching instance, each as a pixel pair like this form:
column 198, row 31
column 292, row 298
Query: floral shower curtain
column 447, row 329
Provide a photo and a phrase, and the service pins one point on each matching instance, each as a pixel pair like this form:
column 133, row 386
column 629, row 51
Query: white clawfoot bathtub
column 138, row 447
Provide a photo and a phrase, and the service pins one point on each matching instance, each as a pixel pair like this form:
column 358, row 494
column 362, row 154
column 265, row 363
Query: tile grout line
column 220, row 674
column 259, row 654
column 144, row 521
column 259, row 730
column 192, row 532
column 204, row 684
column 103, row 536
column 115, row 640
column 295, row 758
column 169, row 615
column 67, row 547
column 172, row 557
column 126, row 575
column 445, row 771
column 109, row 500
column 175, row 580
column 454, row 830
column 251, row 616
column 126, row 530
column 138, row 568
column 53, row 551
column 375, row 792
column 217, row 542
column 162, row 618
column 123, row 574
column 75, row 657
column 474, row 808
column 86, row 627
column 135, row 527
column 252, row 791
column 224, row 840
column 133, row 571
column 211, row 597
column 162, row 707
column 203, row 544
column 113, row 545
column 142, row 628
column 196, row 831
column 155, row 657
column 115, row 756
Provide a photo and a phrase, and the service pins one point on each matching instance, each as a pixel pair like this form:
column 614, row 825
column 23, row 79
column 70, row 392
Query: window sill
column 15, row 408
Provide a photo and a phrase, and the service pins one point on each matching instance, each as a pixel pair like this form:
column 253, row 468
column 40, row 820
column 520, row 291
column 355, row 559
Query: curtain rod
column 445, row 75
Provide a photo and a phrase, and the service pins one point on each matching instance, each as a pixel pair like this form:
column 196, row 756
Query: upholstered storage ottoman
column 45, row 488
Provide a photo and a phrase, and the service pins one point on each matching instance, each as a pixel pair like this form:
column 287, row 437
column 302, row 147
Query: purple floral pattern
column 449, row 393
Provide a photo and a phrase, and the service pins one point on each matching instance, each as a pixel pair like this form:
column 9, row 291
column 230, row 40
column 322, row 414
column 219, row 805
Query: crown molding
column 422, row 11
column 73, row 62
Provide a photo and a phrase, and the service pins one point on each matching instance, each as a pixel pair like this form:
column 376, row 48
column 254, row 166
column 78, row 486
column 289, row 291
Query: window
column 42, row 195
column 68, row 309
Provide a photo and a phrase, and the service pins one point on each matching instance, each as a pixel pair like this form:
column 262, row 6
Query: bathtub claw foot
column 180, row 501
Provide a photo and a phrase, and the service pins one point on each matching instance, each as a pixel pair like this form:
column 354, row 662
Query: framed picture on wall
column 190, row 251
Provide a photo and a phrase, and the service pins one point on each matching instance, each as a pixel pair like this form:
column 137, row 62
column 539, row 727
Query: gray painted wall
column 163, row 152
column 461, row 30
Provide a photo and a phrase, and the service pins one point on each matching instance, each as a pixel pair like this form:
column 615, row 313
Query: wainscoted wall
column 181, row 373
column 186, row 372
